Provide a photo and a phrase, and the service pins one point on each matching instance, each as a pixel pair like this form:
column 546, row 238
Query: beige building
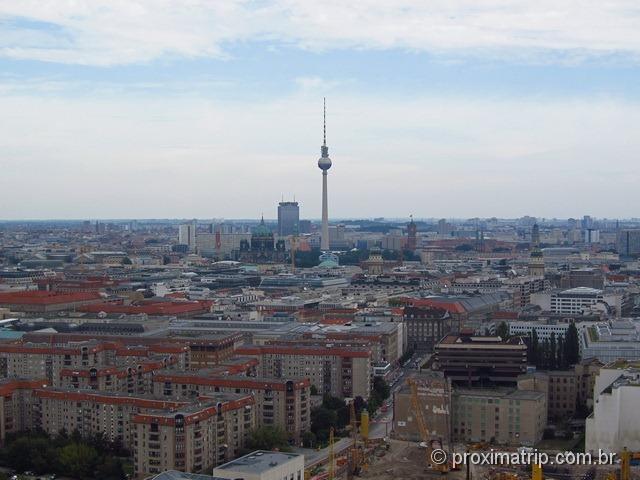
column 54, row 362
column 340, row 372
column 16, row 405
column 503, row 416
column 191, row 436
column 280, row 402
column 567, row 391
column 194, row 438
column 434, row 398
column 263, row 465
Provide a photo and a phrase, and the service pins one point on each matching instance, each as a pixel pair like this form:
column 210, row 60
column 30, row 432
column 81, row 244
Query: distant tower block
column 536, row 260
column 412, row 232
column 324, row 163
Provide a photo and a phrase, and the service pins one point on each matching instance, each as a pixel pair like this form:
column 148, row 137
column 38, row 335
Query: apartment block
column 54, row 362
column 341, row 372
column 285, row 403
column 189, row 435
column 194, row 438
column 17, row 405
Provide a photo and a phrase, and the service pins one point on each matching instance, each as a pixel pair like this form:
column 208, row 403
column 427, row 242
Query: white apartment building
column 543, row 330
column 579, row 300
column 614, row 423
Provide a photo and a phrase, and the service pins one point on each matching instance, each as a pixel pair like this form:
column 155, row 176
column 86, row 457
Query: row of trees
column 68, row 455
column 555, row 353
column 334, row 412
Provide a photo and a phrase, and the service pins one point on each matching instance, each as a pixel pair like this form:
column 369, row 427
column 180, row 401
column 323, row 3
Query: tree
column 309, row 439
column 534, row 347
column 543, row 361
column 553, row 350
column 78, row 460
column 571, row 345
column 313, row 390
column 560, row 359
column 503, row 330
column 111, row 469
column 322, row 419
column 268, row 438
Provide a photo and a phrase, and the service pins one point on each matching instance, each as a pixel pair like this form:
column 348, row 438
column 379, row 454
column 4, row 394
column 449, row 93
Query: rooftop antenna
column 324, row 121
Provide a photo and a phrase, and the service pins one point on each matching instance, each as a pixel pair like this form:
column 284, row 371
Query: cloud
column 433, row 157
column 112, row 32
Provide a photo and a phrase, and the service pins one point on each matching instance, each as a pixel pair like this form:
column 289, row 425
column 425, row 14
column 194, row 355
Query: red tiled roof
column 76, row 396
column 244, row 382
column 449, row 306
column 7, row 388
column 37, row 297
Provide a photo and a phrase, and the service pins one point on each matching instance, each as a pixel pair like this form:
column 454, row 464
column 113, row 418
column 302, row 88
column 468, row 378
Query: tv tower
column 324, row 163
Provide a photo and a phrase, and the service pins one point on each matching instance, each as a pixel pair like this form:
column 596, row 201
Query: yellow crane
column 424, row 431
column 353, row 421
column 331, row 455
column 536, row 472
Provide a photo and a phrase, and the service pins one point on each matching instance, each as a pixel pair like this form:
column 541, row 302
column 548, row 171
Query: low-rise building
column 610, row 341
column 263, row 465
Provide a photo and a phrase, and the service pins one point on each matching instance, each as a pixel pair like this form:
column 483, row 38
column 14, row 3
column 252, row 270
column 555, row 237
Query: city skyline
column 452, row 118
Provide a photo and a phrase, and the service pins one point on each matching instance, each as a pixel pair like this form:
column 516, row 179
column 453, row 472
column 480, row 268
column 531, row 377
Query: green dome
column 262, row 230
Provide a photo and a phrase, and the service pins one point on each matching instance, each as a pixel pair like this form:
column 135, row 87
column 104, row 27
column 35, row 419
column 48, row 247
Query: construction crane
column 536, row 472
column 331, row 455
column 357, row 458
column 294, row 240
column 424, row 431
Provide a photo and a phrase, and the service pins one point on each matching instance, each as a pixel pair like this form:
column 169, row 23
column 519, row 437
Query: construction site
column 411, row 459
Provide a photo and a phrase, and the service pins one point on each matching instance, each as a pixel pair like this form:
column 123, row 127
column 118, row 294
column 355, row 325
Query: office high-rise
column 288, row 218
column 187, row 234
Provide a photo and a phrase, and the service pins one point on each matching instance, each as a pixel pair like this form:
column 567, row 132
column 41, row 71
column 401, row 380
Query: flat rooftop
column 175, row 475
column 259, row 461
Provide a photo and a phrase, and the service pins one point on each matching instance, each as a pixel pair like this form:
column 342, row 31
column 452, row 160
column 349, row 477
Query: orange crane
column 424, row 431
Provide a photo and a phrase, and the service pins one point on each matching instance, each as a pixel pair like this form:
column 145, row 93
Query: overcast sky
column 193, row 108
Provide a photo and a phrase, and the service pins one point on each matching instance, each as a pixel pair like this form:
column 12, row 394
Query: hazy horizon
column 129, row 110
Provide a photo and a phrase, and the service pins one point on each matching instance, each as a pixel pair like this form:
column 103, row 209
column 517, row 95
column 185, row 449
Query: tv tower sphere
column 324, row 163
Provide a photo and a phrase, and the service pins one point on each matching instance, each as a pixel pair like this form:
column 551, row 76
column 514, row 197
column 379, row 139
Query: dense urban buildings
column 183, row 342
